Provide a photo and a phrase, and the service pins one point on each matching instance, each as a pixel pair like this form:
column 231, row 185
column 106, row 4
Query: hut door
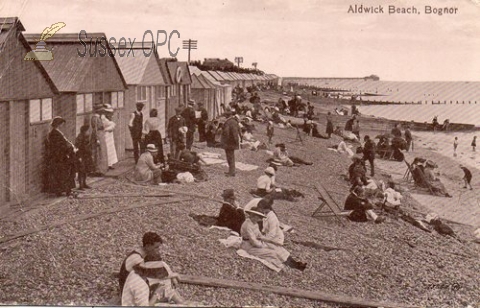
column 18, row 137
column 4, row 152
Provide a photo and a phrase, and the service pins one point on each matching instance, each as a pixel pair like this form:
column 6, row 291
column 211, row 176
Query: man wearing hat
column 369, row 153
column 146, row 170
column 231, row 142
column 231, row 214
column 360, row 206
column 190, row 120
column 173, row 131
column 202, row 122
column 135, row 125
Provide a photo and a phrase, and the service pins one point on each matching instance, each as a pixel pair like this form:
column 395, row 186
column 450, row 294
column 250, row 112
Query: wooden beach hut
column 180, row 90
column 26, row 109
column 146, row 84
column 83, row 82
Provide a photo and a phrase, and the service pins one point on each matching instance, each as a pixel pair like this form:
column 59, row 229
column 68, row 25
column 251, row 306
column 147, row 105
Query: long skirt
column 274, row 254
column 111, row 151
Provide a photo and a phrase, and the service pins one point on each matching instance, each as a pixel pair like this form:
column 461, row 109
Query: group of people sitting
column 258, row 226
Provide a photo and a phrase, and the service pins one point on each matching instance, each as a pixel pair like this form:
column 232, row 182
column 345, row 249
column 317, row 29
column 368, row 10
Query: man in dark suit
column 202, row 122
column 190, row 120
column 174, row 135
column 231, row 141
column 135, row 126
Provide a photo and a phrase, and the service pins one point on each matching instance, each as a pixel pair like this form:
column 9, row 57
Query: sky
column 301, row 38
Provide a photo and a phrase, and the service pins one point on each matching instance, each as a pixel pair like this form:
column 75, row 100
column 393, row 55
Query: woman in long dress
column 254, row 245
column 109, row 126
column 60, row 160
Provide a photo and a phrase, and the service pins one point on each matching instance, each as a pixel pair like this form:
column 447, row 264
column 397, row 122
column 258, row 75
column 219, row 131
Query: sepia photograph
column 240, row 153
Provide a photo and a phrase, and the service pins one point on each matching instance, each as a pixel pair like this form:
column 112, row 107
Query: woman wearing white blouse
column 152, row 135
column 109, row 126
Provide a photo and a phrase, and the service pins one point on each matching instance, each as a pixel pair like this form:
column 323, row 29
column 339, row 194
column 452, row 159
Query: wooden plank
column 123, row 195
column 84, row 217
column 314, row 295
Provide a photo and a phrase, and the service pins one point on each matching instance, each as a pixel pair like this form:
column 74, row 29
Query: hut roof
column 135, row 67
column 173, row 68
column 68, row 70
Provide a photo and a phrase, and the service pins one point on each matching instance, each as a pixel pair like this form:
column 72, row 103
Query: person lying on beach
column 361, row 207
column 253, row 244
column 280, row 155
column 266, row 187
column 248, row 141
column 188, row 156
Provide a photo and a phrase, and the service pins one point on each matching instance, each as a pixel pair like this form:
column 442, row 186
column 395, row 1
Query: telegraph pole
column 190, row 44
column 239, row 60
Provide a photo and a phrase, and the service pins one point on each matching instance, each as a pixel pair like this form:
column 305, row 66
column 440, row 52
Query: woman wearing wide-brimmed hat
column 60, row 160
column 253, row 244
column 145, row 169
column 109, row 126
column 97, row 142
column 152, row 135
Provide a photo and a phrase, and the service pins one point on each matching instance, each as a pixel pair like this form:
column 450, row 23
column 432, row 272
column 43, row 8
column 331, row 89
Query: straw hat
column 191, row 102
column 107, row 108
column 183, row 129
column 430, row 163
column 152, row 148
column 255, row 211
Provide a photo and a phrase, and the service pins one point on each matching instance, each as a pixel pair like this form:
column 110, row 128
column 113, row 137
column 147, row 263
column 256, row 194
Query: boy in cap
column 173, row 131
column 190, row 122
column 270, row 131
column 467, row 177
column 84, row 156
column 202, row 122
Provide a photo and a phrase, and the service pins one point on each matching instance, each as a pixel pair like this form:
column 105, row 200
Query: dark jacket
column 358, row 206
column 369, row 150
column 189, row 115
column 231, row 134
column 173, row 125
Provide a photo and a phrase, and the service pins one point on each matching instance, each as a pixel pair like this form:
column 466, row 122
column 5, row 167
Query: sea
column 459, row 102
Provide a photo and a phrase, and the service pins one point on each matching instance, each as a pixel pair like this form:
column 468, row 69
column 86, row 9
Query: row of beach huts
column 70, row 86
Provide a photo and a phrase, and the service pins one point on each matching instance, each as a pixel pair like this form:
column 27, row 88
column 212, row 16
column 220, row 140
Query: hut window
column 120, row 100
column 40, row 110
column 160, row 91
column 84, row 103
column 80, row 104
column 114, row 99
column 141, row 94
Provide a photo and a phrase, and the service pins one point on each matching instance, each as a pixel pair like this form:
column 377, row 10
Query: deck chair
column 332, row 208
column 419, row 178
